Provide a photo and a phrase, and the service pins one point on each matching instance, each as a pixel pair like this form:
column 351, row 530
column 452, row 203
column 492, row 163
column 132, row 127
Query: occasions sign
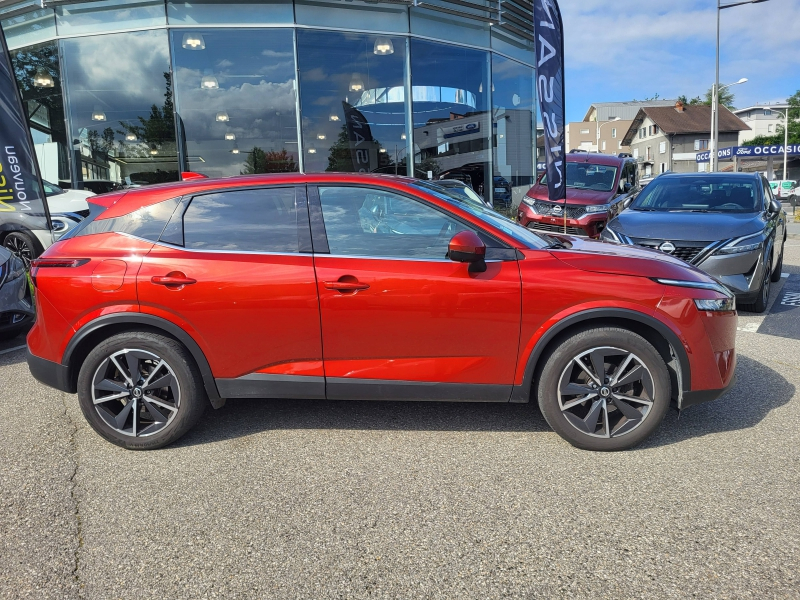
column 750, row 152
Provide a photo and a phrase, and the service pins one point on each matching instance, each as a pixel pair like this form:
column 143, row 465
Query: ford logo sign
column 667, row 247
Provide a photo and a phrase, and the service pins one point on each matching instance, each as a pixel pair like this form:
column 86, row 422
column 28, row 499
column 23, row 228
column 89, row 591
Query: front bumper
column 588, row 225
column 51, row 374
column 16, row 308
column 740, row 273
column 691, row 398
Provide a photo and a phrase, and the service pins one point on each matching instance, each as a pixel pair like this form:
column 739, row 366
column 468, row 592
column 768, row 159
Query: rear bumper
column 701, row 396
column 50, row 373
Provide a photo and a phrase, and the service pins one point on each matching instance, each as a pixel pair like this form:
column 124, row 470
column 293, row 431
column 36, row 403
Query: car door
column 399, row 319
column 234, row 269
column 776, row 220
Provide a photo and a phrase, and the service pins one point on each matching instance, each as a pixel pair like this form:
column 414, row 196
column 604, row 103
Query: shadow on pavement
column 758, row 391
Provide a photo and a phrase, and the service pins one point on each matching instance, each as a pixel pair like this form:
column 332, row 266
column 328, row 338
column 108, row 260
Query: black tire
column 22, row 245
column 761, row 303
column 611, row 344
column 776, row 274
column 158, row 424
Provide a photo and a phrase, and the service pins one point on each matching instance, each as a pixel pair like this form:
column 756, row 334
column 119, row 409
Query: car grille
column 555, row 228
column 546, row 208
column 686, row 251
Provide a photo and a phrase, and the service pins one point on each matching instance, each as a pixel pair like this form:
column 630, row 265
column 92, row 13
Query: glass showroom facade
column 132, row 92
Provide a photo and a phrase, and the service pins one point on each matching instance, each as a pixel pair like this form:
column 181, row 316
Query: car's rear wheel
column 760, row 305
column 141, row 390
column 21, row 244
column 604, row 389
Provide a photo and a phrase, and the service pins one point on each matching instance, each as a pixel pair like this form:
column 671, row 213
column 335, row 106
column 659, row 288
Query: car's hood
column 618, row 259
column 574, row 195
column 688, row 226
column 71, row 201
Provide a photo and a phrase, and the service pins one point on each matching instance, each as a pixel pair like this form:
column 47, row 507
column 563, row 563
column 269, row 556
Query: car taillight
column 42, row 263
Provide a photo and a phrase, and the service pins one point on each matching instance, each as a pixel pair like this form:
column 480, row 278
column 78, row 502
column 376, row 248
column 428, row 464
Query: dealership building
column 132, row 92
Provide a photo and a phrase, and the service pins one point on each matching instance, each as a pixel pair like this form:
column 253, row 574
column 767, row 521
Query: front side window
column 699, row 194
column 262, row 220
column 372, row 222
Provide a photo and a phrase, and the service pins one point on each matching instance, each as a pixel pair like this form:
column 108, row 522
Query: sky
column 633, row 49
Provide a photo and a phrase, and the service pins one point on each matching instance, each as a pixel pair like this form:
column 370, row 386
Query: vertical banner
column 21, row 190
column 359, row 136
column 549, row 30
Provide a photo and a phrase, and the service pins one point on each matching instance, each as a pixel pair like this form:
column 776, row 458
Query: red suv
column 365, row 287
column 595, row 184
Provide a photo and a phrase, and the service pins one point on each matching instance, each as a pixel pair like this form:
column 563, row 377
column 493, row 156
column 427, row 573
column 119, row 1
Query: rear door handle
column 173, row 280
column 346, row 286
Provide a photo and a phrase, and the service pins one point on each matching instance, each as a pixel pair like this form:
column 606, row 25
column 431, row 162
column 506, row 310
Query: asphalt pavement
column 308, row 499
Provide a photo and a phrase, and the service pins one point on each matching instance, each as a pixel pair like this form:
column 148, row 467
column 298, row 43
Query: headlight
column 597, row 208
column 698, row 285
column 718, row 305
column 528, row 200
column 16, row 268
column 743, row 244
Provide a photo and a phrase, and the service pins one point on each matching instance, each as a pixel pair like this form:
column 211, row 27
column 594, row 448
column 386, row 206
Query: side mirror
column 774, row 207
column 627, row 203
column 627, row 187
column 467, row 247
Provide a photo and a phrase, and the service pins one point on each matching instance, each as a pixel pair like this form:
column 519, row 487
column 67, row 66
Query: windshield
column 460, row 191
column 699, row 194
column 588, row 176
column 486, row 214
column 50, row 189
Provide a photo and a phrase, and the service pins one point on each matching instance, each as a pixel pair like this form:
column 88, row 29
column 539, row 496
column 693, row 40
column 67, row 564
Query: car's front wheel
column 140, row 390
column 604, row 389
column 21, row 244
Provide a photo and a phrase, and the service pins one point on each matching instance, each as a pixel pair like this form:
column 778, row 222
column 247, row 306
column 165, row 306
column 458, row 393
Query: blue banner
column 550, row 86
column 750, row 152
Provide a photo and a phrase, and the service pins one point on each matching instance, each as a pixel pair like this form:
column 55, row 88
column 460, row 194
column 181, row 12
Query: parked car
column 728, row 225
column 101, row 186
column 595, row 183
column 20, row 234
column 783, row 189
column 350, row 286
column 460, row 191
column 473, row 175
column 16, row 305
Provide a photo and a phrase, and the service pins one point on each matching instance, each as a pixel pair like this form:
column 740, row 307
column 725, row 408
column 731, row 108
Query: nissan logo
column 667, row 247
column 557, row 210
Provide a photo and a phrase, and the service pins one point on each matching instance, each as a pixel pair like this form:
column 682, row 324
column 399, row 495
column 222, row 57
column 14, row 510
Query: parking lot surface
column 308, row 499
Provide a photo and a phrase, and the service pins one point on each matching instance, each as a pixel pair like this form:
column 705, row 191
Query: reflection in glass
column 352, row 102
column 109, row 103
column 30, row 28
column 109, row 15
column 443, row 26
column 219, row 12
column 512, row 117
column 38, row 76
column 245, row 122
column 451, row 108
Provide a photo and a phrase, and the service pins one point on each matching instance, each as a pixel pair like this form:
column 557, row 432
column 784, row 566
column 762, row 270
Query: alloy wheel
column 20, row 248
column 136, row 392
column 606, row 392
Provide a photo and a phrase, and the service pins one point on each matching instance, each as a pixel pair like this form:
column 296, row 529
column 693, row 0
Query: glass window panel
column 30, row 28
column 354, row 14
column 374, row 222
column 450, row 85
column 352, row 95
column 38, row 75
column 218, row 12
column 514, row 46
column 512, row 113
column 109, row 15
column 454, row 28
column 264, row 220
column 236, row 100
column 121, row 110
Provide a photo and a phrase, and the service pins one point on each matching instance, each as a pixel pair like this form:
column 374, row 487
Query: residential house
column 668, row 138
column 613, row 119
column 763, row 119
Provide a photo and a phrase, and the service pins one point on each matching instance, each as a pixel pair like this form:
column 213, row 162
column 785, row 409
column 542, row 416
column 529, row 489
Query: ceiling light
column 334, row 117
column 356, row 83
column 403, row 136
column 209, row 82
column 383, row 150
column 312, row 150
column 193, row 41
column 153, row 151
column 383, row 46
column 43, row 79
column 98, row 115
column 222, row 117
column 131, row 137
column 320, row 136
column 235, row 150
column 230, row 136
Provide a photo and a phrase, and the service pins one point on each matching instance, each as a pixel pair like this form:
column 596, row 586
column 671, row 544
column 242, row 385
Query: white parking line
column 749, row 328
column 784, row 275
column 6, row 351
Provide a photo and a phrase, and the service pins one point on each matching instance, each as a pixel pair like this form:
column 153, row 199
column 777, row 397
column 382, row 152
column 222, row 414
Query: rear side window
column 260, row 220
column 147, row 223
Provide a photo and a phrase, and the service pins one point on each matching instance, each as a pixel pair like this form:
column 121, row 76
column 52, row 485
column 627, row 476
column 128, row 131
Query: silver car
column 727, row 224
column 16, row 307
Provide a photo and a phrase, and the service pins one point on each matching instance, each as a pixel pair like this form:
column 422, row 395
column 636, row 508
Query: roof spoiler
column 188, row 175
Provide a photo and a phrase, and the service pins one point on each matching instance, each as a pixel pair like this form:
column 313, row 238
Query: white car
column 784, row 189
column 61, row 201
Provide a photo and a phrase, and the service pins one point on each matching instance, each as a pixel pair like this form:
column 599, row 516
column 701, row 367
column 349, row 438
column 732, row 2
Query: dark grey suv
column 727, row 224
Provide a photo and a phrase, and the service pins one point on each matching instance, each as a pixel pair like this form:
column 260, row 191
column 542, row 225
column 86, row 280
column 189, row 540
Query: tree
column 726, row 97
column 272, row 161
column 157, row 129
column 693, row 102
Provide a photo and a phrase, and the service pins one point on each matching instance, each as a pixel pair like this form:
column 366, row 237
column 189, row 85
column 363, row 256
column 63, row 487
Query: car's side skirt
column 263, row 385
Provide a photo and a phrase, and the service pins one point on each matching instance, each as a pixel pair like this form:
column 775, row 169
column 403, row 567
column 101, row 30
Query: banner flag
column 21, row 189
column 550, row 88
column 359, row 135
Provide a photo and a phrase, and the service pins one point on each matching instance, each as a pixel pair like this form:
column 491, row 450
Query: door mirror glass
column 774, row 206
column 627, row 203
column 467, row 247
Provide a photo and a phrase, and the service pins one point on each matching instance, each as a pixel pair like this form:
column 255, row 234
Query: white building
column 763, row 119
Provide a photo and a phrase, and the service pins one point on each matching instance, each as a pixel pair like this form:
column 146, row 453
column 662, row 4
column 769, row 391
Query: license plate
column 499, row 191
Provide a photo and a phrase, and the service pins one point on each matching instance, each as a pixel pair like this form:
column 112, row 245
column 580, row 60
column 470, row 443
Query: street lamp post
column 715, row 91
column 785, row 145
column 599, row 127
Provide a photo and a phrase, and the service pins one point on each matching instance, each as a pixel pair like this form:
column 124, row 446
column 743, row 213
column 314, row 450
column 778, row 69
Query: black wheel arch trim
column 125, row 318
column 522, row 392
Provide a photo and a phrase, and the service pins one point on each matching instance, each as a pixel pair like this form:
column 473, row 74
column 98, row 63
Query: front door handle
column 346, row 286
column 173, row 280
